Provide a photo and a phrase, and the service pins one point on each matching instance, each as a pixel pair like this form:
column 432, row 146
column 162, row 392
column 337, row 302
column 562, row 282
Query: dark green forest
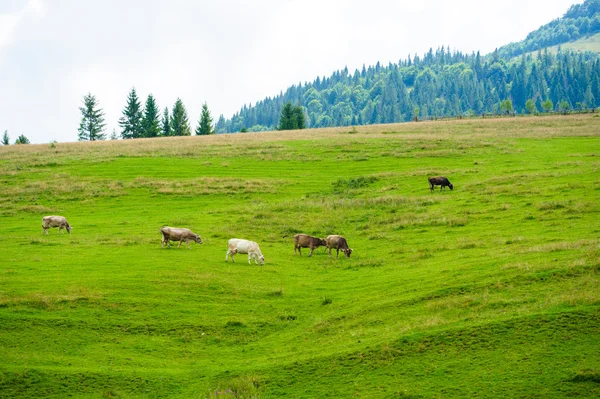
column 446, row 83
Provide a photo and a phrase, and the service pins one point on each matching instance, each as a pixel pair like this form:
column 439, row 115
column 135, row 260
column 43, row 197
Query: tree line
column 139, row 122
column 440, row 83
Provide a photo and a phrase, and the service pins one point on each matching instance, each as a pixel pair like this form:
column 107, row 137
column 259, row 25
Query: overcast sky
column 226, row 53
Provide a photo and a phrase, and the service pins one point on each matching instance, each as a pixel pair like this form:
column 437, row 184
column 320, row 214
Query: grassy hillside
column 489, row 290
column 588, row 43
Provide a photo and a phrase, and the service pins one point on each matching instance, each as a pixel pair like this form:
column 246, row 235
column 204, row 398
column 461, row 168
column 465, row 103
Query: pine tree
column 292, row 117
column 205, row 125
column 131, row 121
column 92, row 120
column 22, row 140
column 299, row 117
column 113, row 135
column 166, row 124
column 150, row 121
column 286, row 119
column 5, row 138
column 179, row 120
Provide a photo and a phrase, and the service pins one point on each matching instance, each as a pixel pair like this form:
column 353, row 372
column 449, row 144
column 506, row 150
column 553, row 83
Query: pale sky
column 226, row 53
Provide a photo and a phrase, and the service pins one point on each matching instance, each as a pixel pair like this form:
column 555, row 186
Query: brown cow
column 306, row 241
column 55, row 221
column 439, row 181
column 339, row 243
column 178, row 234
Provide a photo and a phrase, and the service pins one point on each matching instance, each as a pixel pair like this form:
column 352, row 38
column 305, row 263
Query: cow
column 238, row 245
column 439, row 181
column 339, row 243
column 178, row 234
column 306, row 241
column 55, row 221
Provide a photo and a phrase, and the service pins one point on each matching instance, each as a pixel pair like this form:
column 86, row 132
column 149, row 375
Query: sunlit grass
column 463, row 293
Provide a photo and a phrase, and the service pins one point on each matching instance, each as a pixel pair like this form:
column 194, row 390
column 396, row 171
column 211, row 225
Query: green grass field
column 586, row 43
column 487, row 291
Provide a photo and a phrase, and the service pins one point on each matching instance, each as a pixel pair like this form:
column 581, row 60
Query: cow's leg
column 230, row 252
column 337, row 252
column 311, row 251
column 188, row 243
column 431, row 187
column 179, row 245
column 299, row 250
column 329, row 251
column 250, row 257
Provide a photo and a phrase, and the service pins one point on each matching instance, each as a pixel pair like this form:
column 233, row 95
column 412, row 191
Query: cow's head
column 347, row 252
column 69, row 229
column 451, row 186
column 198, row 239
column 322, row 242
column 261, row 260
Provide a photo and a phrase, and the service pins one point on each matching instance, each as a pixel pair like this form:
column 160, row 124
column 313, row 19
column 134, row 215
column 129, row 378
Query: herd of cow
column 234, row 245
column 240, row 246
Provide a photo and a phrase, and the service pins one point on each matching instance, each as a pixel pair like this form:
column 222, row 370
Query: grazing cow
column 439, row 181
column 339, row 243
column 55, row 221
column 178, row 234
column 239, row 246
column 306, row 241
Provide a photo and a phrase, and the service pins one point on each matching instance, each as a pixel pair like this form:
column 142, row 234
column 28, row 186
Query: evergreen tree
column 286, row 119
column 150, row 121
column 292, row 117
column 205, row 125
column 5, row 138
column 113, row 135
column 92, row 120
column 299, row 117
column 131, row 121
column 179, row 120
column 22, row 140
column 166, row 124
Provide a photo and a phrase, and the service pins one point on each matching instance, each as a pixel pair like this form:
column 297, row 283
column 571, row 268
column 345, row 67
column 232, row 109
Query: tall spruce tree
column 205, row 125
column 179, row 120
column 131, row 121
column 286, row 119
column 292, row 117
column 5, row 138
column 92, row 123
column 166, row 124
column 299, row 117
column 150, row 121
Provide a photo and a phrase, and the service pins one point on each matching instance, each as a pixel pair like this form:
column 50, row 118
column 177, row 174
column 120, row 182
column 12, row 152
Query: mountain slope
column 443, row 83
column 579, row 22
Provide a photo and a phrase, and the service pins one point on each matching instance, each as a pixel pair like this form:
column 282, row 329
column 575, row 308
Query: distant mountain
column 444, row 83
column 580, row 21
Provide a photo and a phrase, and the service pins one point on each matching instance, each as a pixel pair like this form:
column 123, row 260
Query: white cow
column 55, row 221
column 237, row 245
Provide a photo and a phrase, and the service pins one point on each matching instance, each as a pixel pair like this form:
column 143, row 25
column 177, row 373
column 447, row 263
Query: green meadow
column 491, row 290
